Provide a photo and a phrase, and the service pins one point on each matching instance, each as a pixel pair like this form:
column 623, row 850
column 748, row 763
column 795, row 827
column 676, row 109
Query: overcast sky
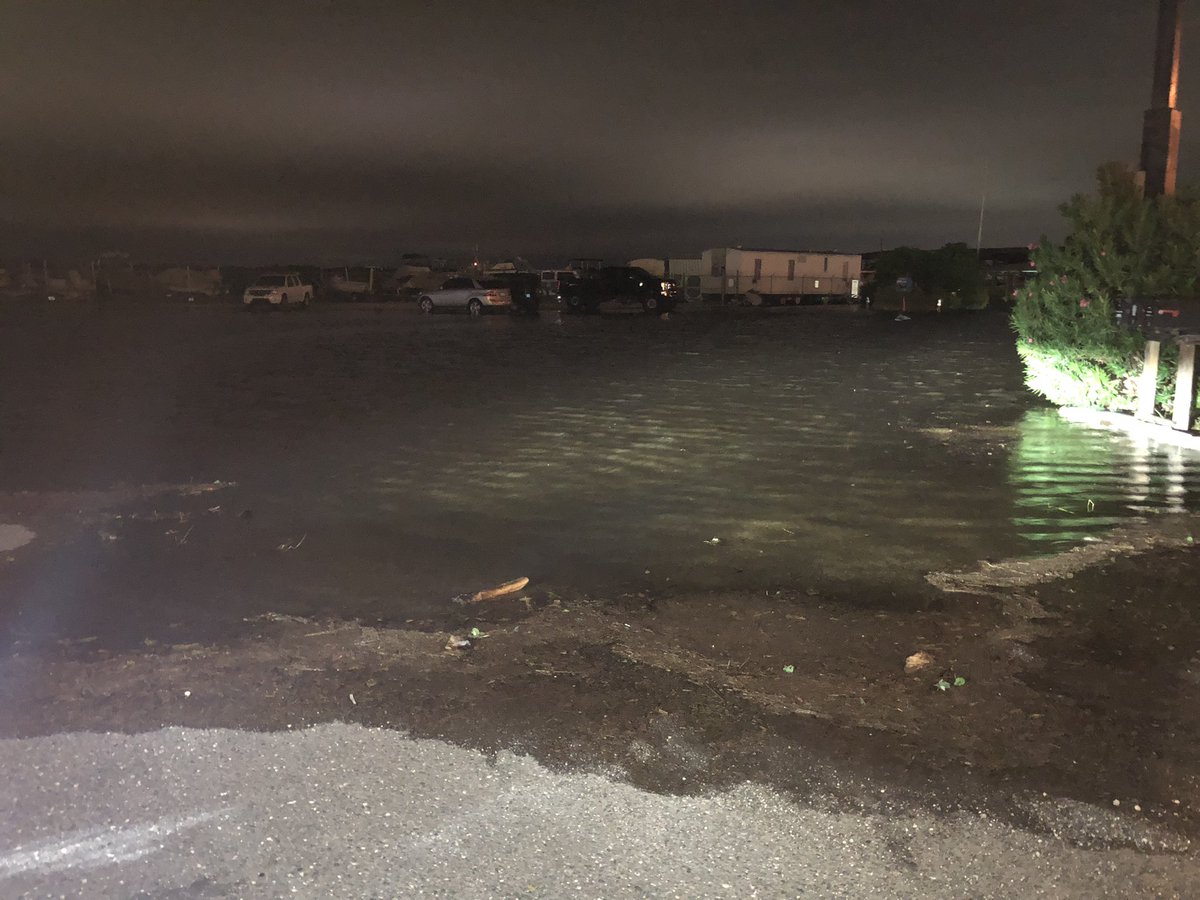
column 356, row 131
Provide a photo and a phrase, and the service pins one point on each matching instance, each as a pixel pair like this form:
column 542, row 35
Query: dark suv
column 624, row 284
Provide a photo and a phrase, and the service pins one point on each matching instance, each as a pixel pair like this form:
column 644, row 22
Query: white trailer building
column 779, row 276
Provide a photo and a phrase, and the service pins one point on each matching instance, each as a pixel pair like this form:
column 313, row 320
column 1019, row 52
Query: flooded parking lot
column 820, row 448
column 217, row 519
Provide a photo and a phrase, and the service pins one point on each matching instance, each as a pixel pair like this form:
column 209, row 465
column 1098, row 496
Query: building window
column 827, row 264
column 757, row 269
column 717, row 268
column 791, row 270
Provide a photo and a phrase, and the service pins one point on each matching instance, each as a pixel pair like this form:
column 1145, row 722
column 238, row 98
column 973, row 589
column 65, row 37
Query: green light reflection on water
column 1072, row 483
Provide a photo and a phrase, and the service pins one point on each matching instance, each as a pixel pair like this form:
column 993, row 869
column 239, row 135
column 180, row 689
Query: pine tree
column 1120, row 245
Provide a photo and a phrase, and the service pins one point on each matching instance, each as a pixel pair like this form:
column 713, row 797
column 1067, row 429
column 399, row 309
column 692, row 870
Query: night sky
column 343, row 131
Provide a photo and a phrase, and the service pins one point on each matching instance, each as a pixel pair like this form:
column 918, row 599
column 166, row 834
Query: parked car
column 623, row 284
column 523, row 287
column 551, row 279
column 466, row 293
column 283, row 289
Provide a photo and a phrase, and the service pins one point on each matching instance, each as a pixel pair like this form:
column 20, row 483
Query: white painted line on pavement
column 94, row 847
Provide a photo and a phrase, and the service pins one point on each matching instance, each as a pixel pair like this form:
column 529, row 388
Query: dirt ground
column 1074, row 676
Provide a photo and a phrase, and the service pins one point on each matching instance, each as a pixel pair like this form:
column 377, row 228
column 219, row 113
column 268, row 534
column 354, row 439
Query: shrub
column 951, row 274
column 1120, row 245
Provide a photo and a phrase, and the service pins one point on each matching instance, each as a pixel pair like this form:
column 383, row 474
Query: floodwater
column 824, row 448
column 1070, row 483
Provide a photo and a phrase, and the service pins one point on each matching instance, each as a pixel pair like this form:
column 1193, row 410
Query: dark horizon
column 361, row 131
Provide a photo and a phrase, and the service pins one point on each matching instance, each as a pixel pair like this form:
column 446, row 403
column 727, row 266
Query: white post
column 1184, row 408
column 1148, row 383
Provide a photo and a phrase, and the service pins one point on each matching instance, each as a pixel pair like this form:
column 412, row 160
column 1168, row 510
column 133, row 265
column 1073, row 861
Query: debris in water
column 278, row 617
column 289, row 545
column 918, row 661
column 509, row 587
column 902, row 318
column 788, row 670
column 458, row 643
column 713, row 541
column 14, row 536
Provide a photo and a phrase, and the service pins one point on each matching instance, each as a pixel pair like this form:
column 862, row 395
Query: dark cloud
column 361, row 130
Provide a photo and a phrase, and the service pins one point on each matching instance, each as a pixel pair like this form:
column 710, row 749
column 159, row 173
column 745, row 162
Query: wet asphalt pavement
column 341, row 811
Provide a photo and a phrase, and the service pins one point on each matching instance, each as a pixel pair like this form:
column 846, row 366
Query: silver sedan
column 467, row 293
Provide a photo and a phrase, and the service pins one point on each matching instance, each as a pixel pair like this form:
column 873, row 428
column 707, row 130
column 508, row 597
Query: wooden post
column 1148, row 384
column 1184, row 408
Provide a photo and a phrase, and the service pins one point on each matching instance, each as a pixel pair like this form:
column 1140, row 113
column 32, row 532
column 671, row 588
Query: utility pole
column 982, row 204
column 1160, row 131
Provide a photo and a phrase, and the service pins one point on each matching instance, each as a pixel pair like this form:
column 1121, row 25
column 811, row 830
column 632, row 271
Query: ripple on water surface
column 802, row 471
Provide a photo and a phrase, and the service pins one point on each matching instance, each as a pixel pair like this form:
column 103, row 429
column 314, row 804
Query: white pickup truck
column 282, row 289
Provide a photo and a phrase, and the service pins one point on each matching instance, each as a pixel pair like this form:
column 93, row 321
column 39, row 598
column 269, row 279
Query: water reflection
column 1073, row 482
column 794, row 491
column 818, row 449
column 807, row 466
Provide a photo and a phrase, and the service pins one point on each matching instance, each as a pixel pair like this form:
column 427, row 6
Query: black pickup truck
column 623, row 284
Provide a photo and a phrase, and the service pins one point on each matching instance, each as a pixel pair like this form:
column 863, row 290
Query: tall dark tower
column 1160, row 132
